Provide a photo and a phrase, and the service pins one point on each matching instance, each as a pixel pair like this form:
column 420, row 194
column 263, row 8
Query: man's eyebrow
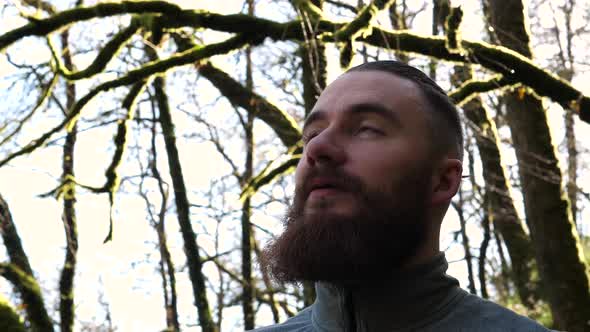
column 362, row 108
column 313, row 117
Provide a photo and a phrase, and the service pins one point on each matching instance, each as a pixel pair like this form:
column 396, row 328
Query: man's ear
column 446, row 181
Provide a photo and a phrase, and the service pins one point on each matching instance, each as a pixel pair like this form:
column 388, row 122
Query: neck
column 423, row 256
column 421, row 290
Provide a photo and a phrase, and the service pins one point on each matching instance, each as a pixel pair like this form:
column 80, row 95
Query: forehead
column 395, row 93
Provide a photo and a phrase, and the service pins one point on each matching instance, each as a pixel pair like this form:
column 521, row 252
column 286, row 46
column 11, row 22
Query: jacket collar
column 412, row 298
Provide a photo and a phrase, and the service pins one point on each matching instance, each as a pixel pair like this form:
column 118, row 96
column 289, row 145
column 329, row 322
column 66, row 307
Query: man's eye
column 370, row 129
column 307, row 137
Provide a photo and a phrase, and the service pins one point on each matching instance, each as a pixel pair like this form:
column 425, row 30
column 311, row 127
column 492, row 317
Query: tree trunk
column 68, row 272
column 561, row 264
column 567, row 71
column 247, row 234
column 502, row 210
column 398, row 22
column 504, row 282
column 272, row 303
column 485, row 224
column 313, row 58
column 167, row 271
column 465, row 243
column 20, row 274
column 166, row 265
column 572, row 164
column 440, row 10
column 191, row 248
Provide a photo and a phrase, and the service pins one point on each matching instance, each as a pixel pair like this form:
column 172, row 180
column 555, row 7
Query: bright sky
column 120, row 268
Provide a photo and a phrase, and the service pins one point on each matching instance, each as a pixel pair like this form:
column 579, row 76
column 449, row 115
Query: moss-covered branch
column 31, row 296
column 345, row 54
column 20, row 273
column 11, row 239
column 9, row 319
column 307, row 8
column 452, row 23
column 189, row 56
column 39, row 4
column 113, row 178
column 149, row 69
column 361, row 24
column 121, row 138
column 171, row 16
column 67, row 311
column 121, row 141
column 47, row 91
column 268, row 175
column 235, row 23
column 44, row 27
column 283, row 124
column 109, row 51
column 496, row 58
column 472, row 88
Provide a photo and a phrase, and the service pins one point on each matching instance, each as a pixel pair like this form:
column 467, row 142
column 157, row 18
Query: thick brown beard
column 387, row 230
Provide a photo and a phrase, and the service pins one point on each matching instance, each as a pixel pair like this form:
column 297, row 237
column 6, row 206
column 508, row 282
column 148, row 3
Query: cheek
column 375, row 168
column 300, row 171
column 384, row 167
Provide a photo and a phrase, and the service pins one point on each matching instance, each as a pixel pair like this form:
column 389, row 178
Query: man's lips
column 324, row 182
column 322, row 186
column 326, row 191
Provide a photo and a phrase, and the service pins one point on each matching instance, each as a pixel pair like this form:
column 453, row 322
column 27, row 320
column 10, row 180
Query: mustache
column 337, row 177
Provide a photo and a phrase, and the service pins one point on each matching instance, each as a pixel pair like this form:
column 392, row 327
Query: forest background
column 147, row 150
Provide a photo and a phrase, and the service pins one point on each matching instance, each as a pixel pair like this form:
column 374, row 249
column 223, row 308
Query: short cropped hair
column 445, row 125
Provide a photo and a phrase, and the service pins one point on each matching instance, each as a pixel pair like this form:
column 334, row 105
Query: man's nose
column 326, row 147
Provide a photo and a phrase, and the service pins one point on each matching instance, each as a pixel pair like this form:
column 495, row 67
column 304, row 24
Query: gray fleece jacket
column 423, row 299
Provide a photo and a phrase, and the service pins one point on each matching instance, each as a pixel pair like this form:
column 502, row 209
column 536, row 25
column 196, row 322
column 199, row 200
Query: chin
column 332, row 213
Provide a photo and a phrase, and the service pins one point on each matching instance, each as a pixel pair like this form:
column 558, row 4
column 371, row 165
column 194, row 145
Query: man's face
column 362, row 184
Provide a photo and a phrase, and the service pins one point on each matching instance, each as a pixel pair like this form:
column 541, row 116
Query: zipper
column 349, row 312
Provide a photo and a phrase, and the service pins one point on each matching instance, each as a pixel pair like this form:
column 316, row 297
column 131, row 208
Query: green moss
column 10, row 321
column 361, row 25
column 44, row 27
column 345, row 54
column 540, row 312
column 452, row 24
column 283, row 124
column 307, row 7
column 267, row 176
column 472, row 88
column 133, row 76
column 31, row 296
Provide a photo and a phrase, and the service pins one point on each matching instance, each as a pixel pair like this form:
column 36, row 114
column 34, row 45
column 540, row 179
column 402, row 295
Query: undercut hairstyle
column 445, row 126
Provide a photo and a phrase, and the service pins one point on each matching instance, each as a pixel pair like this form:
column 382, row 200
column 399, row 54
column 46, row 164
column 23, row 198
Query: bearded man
column 381, row 162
